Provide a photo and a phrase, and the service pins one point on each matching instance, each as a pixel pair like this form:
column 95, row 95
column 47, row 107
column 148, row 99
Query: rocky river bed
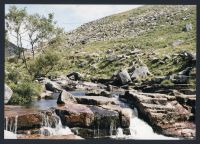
column 82, row 110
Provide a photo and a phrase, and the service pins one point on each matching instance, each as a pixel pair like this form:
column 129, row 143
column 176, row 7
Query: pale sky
column 72, row 16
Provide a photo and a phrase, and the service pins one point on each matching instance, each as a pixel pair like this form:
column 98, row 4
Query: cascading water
column 51, row 125
column 10, row 128
column 139, row 129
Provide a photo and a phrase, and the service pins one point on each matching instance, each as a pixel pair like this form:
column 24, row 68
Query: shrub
column 44, row 63
column 14, row 76
column 23, row 92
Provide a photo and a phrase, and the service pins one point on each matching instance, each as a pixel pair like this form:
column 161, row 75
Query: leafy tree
column 44, row 63
column 15, row 22
column 40, row 29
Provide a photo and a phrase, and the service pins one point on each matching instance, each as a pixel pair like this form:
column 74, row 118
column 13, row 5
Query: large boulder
column 124, row 77
column 65, row 97
column 91, row 121
column 52, row 86
column 75, row 115
column 7, row 93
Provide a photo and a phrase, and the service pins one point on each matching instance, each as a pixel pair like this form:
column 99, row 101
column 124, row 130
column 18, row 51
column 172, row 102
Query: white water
column 48, row 130
column 9, row 135
column 139, row 129
column 10, row 129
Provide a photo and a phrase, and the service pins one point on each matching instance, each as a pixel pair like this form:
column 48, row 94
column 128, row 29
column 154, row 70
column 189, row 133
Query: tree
column 15, row 22
column 44, row 63
column 40, row 29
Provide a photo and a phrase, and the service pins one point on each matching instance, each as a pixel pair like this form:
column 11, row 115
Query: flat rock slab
column 164, row 113
column 25, row 118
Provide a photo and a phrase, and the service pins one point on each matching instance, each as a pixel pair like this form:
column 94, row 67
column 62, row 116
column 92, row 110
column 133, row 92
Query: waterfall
column 51, row 125
column 16, row 118
column 119, row 133
column 10, row 128
column 139, row 129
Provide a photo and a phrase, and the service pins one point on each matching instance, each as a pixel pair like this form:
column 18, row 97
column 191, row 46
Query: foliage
column 23, row 92
column 44, row 63
column 15, row 26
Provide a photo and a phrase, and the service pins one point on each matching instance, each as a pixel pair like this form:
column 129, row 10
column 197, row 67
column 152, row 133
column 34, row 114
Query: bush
column 13, row 76
column 23, row 92
column 44, row 63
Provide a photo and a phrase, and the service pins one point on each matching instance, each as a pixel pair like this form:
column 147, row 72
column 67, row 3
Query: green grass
column 158, row 40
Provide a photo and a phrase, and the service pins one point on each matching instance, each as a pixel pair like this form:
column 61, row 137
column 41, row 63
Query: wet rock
column 124, row 114
column 92, row 133
column 7, row 93
column 104, row 117
column 24, row 121
column 79, row 115
column 75, row 115
column 65, row 97
column 163, row 113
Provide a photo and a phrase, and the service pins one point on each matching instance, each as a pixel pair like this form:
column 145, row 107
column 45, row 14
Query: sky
column 70, row 17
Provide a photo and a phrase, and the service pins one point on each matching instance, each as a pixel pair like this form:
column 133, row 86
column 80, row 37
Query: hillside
column 106, row 77
column 104, row 46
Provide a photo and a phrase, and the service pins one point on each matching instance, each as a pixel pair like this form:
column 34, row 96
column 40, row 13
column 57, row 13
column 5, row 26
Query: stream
column 138, row 128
